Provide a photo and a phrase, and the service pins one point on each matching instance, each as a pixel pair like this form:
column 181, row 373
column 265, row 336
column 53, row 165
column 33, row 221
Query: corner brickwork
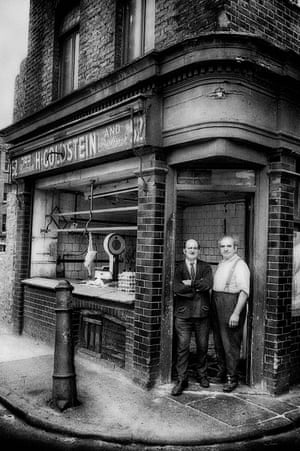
column 149, row 262
column 279, row 274
column 275, row 20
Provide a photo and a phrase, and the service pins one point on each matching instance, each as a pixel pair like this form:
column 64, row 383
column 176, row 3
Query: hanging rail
column 99, row 229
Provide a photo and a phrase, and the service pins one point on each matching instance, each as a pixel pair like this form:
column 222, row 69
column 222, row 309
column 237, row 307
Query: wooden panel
column 91, row 333
column 113, row 342
column 103, row 335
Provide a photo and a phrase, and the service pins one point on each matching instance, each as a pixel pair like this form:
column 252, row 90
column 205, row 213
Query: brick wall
column 277, row 363
column 22, row 251
column 7, row 262
column 19, row 93
column 275, row 20
column 149, row 262
column 205, row 223
column 96, row 50
column 97, row 34
column 39, row 61
column 100, row 30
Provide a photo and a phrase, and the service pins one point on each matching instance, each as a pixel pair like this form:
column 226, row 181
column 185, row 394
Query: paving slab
column 113, row 409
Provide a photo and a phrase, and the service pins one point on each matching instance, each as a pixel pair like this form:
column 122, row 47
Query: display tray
column 109, row 292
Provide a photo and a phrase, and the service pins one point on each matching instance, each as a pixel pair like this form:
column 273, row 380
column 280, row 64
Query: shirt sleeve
column 242, row 276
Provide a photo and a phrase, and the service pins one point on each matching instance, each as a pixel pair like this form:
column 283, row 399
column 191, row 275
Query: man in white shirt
column 230, row 294
column 192, row 285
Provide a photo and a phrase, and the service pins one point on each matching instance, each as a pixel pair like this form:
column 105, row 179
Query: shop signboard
column 110, row 138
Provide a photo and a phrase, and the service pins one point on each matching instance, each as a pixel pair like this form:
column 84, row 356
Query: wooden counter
column 108, row 293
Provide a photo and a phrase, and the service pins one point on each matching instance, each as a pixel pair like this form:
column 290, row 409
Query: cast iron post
column 64, row 392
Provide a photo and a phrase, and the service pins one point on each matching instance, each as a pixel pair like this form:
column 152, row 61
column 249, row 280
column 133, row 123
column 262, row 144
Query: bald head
column 191, row 250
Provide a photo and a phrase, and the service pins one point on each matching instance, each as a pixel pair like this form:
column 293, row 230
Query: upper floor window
column 138, row 28
column 69, row 51
column 6, row 162
column 5, row 192
column 3, row 223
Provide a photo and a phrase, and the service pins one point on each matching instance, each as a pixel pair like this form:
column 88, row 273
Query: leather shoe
column 230, row 385
column 203, row 381
column 179, row 387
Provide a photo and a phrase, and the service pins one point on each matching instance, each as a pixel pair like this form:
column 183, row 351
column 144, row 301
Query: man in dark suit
column 192, row 283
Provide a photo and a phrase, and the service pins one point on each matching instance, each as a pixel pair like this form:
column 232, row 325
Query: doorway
column 206, row 216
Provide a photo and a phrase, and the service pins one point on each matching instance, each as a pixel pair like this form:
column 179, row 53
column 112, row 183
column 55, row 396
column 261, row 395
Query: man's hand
column 234, row 320
column 187, row 283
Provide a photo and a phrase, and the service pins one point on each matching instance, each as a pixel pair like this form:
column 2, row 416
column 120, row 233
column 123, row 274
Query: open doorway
column 206, row 216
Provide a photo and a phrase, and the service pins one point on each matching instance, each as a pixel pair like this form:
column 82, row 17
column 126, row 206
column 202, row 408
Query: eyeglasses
column 192, row 248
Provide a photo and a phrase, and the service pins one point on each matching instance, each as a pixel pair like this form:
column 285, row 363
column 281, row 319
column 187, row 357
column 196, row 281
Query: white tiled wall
column 205, row 223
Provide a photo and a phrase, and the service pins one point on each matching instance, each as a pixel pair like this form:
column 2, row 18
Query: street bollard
column 64, row 393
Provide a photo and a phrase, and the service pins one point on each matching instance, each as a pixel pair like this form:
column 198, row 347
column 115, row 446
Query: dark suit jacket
column 194, row 301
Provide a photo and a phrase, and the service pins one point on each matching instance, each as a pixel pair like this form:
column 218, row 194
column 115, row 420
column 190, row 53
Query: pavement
column 113, row 413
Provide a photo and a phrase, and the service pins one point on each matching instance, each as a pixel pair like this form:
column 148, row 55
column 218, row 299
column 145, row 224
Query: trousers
column 227, row 339
column 184, row 328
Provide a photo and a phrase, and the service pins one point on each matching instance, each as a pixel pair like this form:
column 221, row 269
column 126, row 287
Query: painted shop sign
column 111, row 138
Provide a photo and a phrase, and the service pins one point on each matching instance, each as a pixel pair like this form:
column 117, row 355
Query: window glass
column 69, row 51
column 149, row 25
column 135, row 29
column 3, row 223
column 69, row 63
column 5, row 191
column 6, row 162
column 138, row 28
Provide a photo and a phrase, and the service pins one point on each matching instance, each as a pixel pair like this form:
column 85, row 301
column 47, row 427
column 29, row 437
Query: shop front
column 108, row 193
column 90, row 199
column 209, row 199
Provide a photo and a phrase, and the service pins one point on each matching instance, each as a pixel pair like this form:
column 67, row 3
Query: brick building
column 148, row 122
column 6, row 210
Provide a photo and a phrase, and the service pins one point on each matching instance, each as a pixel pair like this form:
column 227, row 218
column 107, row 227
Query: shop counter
column 102, row 317
column 86, row 289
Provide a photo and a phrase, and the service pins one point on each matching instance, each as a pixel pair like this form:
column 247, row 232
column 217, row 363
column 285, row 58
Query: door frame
column 257, row 258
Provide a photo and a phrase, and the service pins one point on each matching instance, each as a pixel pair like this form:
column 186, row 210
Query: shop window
column 69, row 51
column 70, row 234
column 5, row 191
column 138, row 28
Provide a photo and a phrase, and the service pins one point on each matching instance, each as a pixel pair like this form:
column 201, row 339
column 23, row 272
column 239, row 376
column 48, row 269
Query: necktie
column 193, row 275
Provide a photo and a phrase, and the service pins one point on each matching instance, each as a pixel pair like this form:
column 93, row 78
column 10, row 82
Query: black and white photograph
column 150, row 225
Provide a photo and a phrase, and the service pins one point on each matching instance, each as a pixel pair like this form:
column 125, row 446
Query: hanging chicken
column 90, row 256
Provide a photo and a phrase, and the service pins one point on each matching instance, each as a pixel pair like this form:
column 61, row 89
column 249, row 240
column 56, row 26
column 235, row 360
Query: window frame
column 68, row 79
column 6, row 162
column 139, row 37
column 5, row 193
column 3, row 227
